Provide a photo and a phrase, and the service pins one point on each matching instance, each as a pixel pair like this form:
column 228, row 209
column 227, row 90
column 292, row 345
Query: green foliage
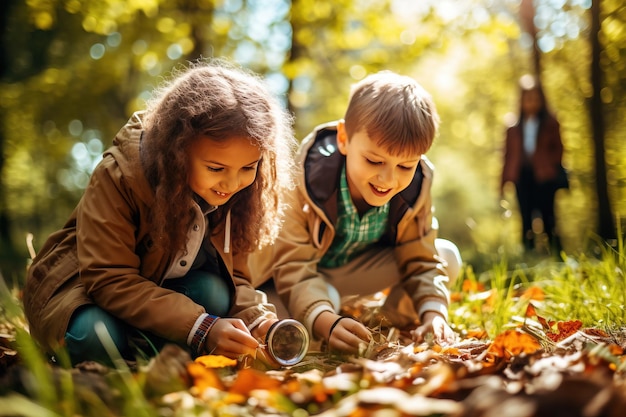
column 591, row 290
column 76, row 70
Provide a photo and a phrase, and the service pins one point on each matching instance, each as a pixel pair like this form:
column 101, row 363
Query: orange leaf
column 249, row 379
column 420, row 348
column 513, row 343
column 472, row 286
column 456, row 297
column 564, row 329
column 476, row 334
column 530, row 310
column 616, row 349
column 448, row 350
column 534, row 293
column 204, row 377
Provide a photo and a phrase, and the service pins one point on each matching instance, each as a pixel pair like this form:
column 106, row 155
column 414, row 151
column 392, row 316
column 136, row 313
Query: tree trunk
column 7, row 251
column 606, row 222
column 527, row 17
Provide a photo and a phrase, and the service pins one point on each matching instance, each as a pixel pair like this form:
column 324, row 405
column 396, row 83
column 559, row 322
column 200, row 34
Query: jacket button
column 183, row 263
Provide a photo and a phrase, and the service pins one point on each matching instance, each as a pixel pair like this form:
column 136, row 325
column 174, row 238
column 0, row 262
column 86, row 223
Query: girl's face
column 374, row 175
column 219, row 169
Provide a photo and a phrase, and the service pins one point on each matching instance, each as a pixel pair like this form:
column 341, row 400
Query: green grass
column 589, row 289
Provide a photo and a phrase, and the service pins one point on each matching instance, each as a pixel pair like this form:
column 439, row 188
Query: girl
column 156, row 249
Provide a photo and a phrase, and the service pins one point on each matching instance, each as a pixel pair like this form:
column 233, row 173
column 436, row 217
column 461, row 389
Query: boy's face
column 374, row 176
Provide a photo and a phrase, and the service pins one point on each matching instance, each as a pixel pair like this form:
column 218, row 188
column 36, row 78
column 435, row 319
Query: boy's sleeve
column 426, row 278
column 294, row 265
column 424, row 275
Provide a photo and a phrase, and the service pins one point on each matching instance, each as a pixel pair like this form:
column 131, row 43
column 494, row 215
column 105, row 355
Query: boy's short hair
column 395, row 111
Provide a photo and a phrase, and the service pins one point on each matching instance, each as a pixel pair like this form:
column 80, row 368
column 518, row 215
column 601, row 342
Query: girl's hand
column 230, row 337
column 437, row 325
column 346, row 335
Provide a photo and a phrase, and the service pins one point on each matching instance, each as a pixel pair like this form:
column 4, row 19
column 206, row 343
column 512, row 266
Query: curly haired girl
column 156, row 250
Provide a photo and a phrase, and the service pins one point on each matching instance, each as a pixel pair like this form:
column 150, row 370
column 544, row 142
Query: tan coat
column 105, row 255
column 309, row 230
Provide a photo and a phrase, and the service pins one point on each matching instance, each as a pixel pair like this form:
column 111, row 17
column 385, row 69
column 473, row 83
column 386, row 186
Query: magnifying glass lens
column 288, row 342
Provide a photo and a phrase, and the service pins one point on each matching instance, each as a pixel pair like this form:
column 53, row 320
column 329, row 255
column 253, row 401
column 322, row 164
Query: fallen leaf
column 250, row 379
column 564, row 329
column 534, row 293
column 204, row 377
column 513, row 343
column 215, row 361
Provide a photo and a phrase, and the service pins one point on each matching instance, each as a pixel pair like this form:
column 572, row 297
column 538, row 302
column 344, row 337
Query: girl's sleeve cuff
column 199, row 332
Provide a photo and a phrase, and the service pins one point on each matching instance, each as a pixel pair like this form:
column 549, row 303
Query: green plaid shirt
column 353, row 234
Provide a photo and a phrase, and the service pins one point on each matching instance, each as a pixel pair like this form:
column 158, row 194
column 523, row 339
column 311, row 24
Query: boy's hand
column 437, row 325
column 347, row 334
column 230, row 337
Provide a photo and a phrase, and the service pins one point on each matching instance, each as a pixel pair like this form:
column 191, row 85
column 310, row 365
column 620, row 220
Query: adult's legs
column 525, row 188
column 545, row 197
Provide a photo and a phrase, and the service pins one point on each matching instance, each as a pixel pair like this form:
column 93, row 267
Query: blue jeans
column 83, row 343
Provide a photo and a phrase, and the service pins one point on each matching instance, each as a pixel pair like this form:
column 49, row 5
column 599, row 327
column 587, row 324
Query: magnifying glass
column 287, row 342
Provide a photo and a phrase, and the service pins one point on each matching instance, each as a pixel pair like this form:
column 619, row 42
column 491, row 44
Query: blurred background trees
column 73, row 71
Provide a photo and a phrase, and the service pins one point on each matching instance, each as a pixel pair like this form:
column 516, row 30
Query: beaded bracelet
column 197, row 343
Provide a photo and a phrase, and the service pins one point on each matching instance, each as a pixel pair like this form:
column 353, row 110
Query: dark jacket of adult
column 547, row 157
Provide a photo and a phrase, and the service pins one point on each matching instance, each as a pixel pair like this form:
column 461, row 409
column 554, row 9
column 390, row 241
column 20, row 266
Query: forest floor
column 531, row 367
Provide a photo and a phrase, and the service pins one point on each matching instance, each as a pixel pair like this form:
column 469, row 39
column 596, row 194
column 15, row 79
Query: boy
column 361, row 219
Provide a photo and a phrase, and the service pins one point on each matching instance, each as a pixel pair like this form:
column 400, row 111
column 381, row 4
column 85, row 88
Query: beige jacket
column 309, row 230
column 105, row 255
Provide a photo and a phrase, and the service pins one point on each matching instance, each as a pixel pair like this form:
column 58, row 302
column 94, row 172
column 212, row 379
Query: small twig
column 29, row 245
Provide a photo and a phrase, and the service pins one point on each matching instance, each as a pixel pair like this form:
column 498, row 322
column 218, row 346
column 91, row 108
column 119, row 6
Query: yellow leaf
column 215, row 361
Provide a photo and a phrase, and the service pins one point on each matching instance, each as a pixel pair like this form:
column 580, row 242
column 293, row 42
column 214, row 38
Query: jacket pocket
column 54, row 269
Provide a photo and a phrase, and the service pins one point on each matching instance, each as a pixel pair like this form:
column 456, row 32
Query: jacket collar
column 322, row 166
column 126, row 151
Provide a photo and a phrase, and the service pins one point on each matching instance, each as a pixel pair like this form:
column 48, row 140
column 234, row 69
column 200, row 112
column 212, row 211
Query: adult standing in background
column 532, row 161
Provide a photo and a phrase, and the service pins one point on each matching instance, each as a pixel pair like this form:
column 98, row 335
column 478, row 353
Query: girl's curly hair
column 219, row 100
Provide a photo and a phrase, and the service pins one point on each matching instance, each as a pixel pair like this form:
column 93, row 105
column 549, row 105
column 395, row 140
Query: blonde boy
column 361, row 218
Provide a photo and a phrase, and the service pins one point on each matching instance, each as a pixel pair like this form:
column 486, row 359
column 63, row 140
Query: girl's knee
column 89, row 330
column 205, row 288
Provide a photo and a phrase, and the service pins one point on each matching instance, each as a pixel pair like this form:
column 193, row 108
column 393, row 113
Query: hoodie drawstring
column 227, row 234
